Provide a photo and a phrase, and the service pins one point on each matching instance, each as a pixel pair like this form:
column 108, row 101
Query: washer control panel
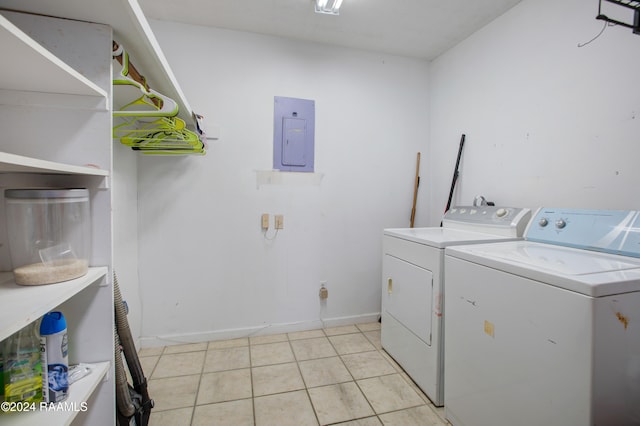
column 609, row 231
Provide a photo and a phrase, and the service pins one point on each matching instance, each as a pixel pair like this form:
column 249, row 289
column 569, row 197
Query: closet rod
column 134, row 73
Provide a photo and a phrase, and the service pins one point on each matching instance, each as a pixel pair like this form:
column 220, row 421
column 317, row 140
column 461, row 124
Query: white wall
column 125, row 236
column 206, row 270
column 547, row 123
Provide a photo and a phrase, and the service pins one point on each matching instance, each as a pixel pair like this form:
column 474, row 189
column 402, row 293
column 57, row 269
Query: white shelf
column 21, row 305
column 11, row 163
column 130, row 28
column 33, row 68
column 64, row 412
column 63, row 77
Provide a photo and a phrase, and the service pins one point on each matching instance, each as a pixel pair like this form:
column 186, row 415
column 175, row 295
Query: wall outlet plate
column 279, row 219
column 324, row 293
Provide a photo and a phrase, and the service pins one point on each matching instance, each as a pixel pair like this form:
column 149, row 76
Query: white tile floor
column 337, row 375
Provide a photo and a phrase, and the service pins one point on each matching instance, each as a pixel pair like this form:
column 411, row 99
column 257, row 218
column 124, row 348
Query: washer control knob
column 543, row 222
column 501, row 212
column 560, row 223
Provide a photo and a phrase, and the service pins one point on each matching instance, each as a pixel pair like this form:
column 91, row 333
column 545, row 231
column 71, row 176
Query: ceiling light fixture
column 330, row 7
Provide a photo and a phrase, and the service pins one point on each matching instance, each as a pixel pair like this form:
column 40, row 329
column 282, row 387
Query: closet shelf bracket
column 626, row 13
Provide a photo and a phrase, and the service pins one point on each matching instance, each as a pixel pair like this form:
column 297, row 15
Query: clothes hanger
column 132, row 125
column 164, row 105
column 163, row 133
column 189, row 145
column 127, row 71
column 149, row 123
column 182, row 142
column 176, row 152
column 171, row 140
column 148, row 103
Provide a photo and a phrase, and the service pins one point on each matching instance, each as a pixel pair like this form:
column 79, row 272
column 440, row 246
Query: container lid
column 52, row 323
column 47, row 193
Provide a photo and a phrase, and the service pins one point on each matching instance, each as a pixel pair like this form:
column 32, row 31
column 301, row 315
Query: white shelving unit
column 130, row 28
column 75, row 403
column 24, row 304
column 55, row 109
column 40, row 71
column 11, row 163
column 55, row 112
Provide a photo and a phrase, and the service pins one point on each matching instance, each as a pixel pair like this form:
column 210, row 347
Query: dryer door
column 408, row 297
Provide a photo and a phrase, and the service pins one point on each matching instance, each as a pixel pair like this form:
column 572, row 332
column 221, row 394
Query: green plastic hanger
column 155, row 104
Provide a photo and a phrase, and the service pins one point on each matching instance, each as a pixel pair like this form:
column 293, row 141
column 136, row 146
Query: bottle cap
column 52, row 323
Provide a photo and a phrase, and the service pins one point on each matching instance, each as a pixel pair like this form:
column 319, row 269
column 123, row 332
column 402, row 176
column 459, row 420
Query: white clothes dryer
column 413, row 285
column 546, row 331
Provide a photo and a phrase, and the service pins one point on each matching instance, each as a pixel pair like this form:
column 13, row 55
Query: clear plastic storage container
column 49, row 234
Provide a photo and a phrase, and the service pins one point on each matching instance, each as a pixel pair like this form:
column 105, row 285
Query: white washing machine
column 412, row 285
column 546, row 331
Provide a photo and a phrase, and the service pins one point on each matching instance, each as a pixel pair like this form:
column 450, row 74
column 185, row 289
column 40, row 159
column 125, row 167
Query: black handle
column 455, row 175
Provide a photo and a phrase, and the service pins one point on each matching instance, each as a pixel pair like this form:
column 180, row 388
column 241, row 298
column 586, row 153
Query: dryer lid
column 442, row 237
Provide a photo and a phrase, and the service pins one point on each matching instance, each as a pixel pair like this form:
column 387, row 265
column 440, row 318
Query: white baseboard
column 209, row 336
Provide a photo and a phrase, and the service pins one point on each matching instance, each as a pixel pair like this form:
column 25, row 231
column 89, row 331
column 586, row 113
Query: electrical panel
column 293, row 140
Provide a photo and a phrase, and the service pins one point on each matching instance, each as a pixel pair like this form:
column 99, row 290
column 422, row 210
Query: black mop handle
column 455, row 175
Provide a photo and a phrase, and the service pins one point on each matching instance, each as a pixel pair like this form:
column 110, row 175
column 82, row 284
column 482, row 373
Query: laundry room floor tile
column 269, row 338
column 351, row 343
column 174, row 392
column 224, row 386
column 230, row 413
column 422, row 415
column 270, row 379
column 367, row 364
column 389, row 393
column 369, row 421
column 309, row 334
column 374, row 338
column 148, row 363
column 331, row 376
column 271, row 353
column 226, row 359
column 177, row 417
column 312, row 348
column 324, row 371
column 391, row 361
column 190, row 347
column 151, row 351
column 339, row 403
column 369, row 326
column 343, row 329
column 285, row 409
column 180, row 364
column 232, row 343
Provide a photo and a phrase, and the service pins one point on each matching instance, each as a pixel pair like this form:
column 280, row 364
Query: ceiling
column 415, row 28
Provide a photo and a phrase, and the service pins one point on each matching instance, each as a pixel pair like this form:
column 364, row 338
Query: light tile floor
column 338, row 375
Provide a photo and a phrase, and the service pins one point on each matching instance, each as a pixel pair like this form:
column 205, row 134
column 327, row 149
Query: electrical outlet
column 324, row 293
column 279, row 221
column 265, row 221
